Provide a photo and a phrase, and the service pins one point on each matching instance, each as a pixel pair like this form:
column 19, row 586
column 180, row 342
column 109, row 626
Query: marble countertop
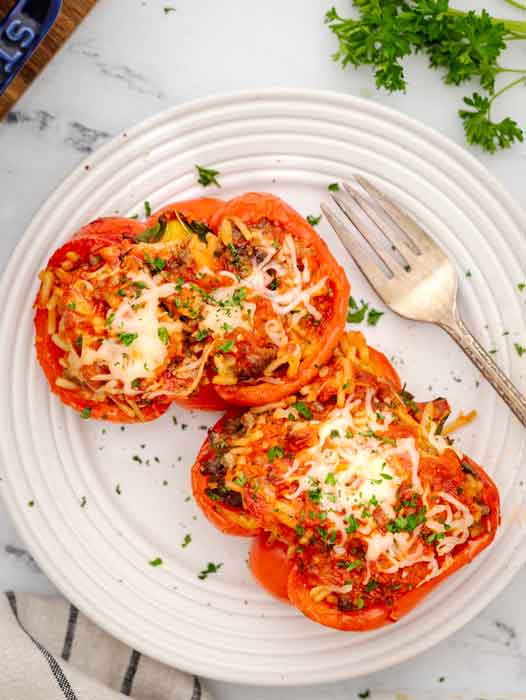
column 132, row 59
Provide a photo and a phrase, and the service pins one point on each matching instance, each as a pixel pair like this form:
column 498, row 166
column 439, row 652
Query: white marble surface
column 131, row 59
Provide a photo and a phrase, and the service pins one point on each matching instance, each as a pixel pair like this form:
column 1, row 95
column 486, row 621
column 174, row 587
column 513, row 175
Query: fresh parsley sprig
column 465, row 45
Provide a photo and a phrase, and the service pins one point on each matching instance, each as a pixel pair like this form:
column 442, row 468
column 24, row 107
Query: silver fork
column 424, row 288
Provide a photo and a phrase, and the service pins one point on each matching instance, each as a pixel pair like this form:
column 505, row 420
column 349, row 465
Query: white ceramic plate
column 292, row 143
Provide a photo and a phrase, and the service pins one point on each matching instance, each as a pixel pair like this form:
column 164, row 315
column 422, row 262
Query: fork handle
column 490, row 370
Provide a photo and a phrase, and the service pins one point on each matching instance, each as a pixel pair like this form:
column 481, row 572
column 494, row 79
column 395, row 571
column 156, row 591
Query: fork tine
column 362, row 222
column 408, row 249
column 406, row 223
column 372, row 272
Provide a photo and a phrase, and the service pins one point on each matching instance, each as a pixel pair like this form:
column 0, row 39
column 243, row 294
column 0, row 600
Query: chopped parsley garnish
column 155, row 264
column 388, row 477
column 330, row 479
column 136, row 383
column 356, row 314
column 167, row 9
column 121, row 292
column 302, row 409
column 352, row 525
column 147, row 208
column 201, row 334
column 334, row 434
column 313, row 220
column 72, row 305
column 137, row 459
column 118, row 490
column 163, row 334
column 139, row 284
column 364, row 694
column 207, row 176
column 521, row 349
column 358, row 603
column 315, row 496
column 86, row 412
column 434, row 537
column 349, row 434
column 30, row 504
column 155, row 562
column 240, row 479
column 333, row 187
column 83, row 502
column 407, row 523
column 521, row 286
column 371, row 586
column 373, row 317
column 210, row 569
column 350, row 565
column 128, row 338
column 110, row 319
column 226, row 347
column 300, row 530
column 186, row 540
column 274, row 452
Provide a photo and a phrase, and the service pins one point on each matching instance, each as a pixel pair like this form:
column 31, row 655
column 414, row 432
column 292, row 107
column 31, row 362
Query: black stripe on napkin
column 70, row 632
column 127, row 681
column 58, row 673
column 196, row 694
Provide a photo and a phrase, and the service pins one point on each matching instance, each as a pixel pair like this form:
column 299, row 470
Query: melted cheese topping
column 355, row 473
column 285, row 266
column 218, row 318
column 139, row 317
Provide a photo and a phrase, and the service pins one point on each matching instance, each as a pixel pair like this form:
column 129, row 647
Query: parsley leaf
column 352, row 525
column 302, row 409
column 407, row 523
column 163, row 334
column 147, row 208
column 480, row 130
column 373, row 317
column 356, row 314
column 240, row 479
column 186, row 540
column 201, row 334
column 521, row 349
column 274, row 452
column 207, row 176
column 226, row 347
column 211, row 568
column 86, row 412
column 156, row 562
column 128, row 338
column 333, row 187
column 313, row 220
column 155, row 264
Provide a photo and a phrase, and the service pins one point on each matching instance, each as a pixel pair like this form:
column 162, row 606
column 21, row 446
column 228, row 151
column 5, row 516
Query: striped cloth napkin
column 50, row 651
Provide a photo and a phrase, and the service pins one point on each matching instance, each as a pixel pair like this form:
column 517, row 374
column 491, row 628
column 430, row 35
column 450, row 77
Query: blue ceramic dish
column 21, row 31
